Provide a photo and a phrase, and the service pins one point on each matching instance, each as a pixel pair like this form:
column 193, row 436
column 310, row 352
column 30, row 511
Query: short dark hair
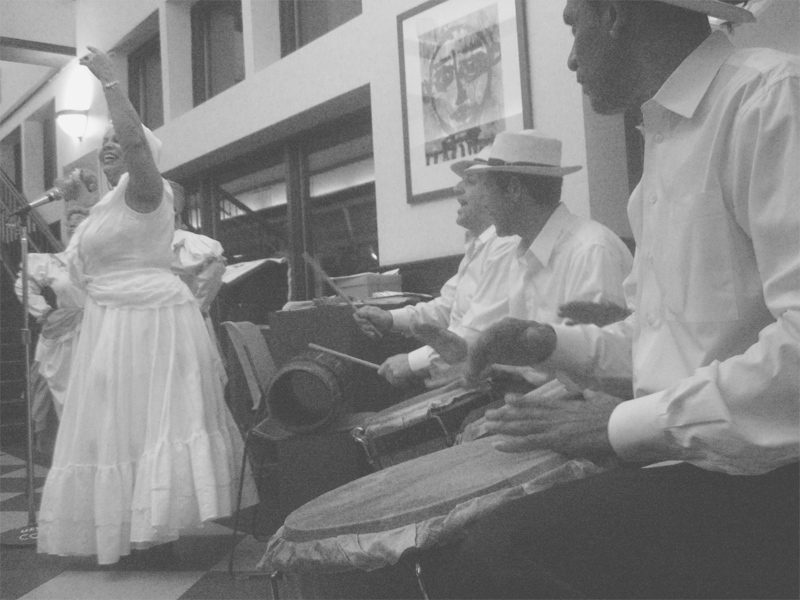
column 542, row 188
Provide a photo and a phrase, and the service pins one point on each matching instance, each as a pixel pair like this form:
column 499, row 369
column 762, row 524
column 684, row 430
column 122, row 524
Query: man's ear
column 617, row 16
column 515, row 188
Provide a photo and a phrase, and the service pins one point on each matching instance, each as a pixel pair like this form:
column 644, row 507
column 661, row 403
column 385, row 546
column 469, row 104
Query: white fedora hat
column 460, row 166
column 724, row 10
column 526, row 152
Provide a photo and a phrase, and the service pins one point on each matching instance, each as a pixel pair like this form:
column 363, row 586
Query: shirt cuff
column 635, row 433
column 401, row 320
column 420, row 359
column 571, row 352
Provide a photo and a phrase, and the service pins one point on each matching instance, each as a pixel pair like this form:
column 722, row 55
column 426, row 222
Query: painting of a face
column 462, row 79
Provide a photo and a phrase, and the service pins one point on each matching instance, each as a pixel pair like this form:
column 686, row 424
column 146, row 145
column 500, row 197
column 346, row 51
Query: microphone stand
column 26, row 535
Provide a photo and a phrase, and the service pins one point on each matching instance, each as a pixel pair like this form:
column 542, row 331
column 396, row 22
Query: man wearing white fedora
column 713, row 343
column 561, row 258
column 482, row 247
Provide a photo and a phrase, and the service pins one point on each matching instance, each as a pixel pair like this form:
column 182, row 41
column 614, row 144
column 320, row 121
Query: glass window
column 344, row 224
column 303, row 21
column 144, row 83
column 217, row 47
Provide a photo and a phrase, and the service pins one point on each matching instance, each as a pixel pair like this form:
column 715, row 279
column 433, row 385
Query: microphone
column 49, row 196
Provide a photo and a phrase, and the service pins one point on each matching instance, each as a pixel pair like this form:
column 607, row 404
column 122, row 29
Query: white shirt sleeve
column 435, row 311
column 740, row 415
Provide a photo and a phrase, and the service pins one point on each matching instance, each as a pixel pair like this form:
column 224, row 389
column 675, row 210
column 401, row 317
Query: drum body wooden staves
column 309, row 392
column 354, row 541
column 419, row 425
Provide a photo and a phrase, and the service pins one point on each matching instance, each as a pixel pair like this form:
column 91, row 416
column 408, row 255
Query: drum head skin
column 416, row 490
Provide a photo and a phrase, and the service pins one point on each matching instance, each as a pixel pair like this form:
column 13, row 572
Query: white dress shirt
column 570, row 259
column 458, row 294
column 715, row 338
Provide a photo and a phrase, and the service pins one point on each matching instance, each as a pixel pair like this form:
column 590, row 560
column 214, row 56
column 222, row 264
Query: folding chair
column 251, row 349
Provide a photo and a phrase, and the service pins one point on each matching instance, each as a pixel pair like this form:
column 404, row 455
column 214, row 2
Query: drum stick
column 324, row 276
column 345, row 356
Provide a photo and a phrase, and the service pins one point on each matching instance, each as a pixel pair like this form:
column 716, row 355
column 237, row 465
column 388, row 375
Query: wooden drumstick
column 345, row 356
column 324, row 276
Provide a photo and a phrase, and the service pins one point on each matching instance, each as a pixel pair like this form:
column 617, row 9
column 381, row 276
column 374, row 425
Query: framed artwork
column 463, row 78
column 92, row 186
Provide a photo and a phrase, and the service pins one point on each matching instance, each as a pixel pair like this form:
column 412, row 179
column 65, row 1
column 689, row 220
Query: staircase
column 13, row 412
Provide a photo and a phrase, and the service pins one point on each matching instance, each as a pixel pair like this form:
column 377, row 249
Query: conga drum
column 348, row 542
column 420, row 425
column 309, row 392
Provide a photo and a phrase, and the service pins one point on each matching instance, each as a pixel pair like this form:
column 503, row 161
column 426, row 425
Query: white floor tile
column 7, row 459
column 207, row 529
column 38, row 471
column 122, row 585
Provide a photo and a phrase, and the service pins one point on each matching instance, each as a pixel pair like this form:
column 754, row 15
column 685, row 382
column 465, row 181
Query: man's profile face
column 501, row 207
column 598, row 60
column 471, row 195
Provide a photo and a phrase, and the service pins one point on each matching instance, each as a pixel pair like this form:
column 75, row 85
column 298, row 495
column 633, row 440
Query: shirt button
column 652, row 198
column 658, row 138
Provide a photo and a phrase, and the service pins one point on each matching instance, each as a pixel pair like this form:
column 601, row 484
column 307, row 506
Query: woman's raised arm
column 146, row 187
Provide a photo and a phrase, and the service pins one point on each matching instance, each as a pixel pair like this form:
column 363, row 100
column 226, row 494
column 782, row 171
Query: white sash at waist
column 139, row 288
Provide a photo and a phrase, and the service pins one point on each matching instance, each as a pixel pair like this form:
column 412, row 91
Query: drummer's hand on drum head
column 397, row 370
column 450, row 346
column 510, row 342
column 554, row 417
column 373, row 321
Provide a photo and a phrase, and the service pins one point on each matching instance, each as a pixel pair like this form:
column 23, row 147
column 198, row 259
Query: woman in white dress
column 146, row 447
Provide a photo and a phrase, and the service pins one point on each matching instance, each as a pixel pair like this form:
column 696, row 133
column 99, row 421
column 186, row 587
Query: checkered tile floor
column 197, row 569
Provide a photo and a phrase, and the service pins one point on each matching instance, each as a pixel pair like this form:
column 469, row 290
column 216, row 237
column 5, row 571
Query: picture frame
column 464, row 77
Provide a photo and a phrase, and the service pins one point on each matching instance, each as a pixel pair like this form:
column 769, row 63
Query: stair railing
column 41, row 238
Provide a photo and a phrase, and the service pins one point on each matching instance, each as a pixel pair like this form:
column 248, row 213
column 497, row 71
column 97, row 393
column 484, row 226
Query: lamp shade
column 73, row 122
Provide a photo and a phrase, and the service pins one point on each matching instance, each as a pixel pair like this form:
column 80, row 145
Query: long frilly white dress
column 147, row 446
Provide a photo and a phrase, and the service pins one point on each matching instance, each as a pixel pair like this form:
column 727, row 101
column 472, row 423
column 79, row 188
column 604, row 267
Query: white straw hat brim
column 544, row 171
column 715, row 8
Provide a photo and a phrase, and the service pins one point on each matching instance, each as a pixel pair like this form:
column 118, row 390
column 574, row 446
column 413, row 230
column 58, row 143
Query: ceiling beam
column 35, row 53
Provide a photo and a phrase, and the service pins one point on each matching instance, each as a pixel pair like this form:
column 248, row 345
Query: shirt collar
column 682, row 92
column 470, row 239
column 544, row 243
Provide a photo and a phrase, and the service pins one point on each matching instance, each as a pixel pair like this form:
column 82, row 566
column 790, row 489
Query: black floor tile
column 216, row 585
column 20, row 502
column 19, row 484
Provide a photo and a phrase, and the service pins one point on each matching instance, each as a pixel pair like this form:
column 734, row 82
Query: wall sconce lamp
column 73, row 122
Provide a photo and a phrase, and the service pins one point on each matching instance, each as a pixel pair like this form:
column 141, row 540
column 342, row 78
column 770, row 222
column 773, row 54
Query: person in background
column 198, row 260
column 483, row 250
column 712, row 344
column 147, row 447
column 57, row 305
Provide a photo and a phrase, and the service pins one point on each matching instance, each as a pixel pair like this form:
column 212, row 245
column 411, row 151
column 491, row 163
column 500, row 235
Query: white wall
column 416, row 232
column 777, row 26
column 363, row 52
column 23, row 19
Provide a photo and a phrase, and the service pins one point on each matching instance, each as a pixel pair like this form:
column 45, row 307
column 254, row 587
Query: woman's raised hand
column 99, row 63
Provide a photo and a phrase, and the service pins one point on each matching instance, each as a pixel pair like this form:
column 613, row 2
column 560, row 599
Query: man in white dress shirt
column 713, row 344
column 560, row 258
column 482, row 247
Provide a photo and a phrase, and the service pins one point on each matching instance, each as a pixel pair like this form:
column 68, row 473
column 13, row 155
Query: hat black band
column 499, row 162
